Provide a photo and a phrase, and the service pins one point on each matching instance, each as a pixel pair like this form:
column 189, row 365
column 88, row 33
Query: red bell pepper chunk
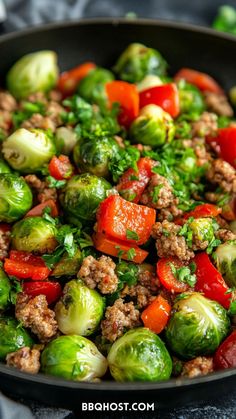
column 69, row 80
column 132, row 183
column 201, row 80
column 156, row 315
column 118, row 248
column 210, row 281
column 24, row 270
column 127, row 96
column 229, row 210
column 37, row 211
column 60, row 167
column 52, row 290
column 226, row 142
column 225, row 356
column 166, row 96
column 26, row 257
column 124, row 220
column 166, row 276
column 201, row 211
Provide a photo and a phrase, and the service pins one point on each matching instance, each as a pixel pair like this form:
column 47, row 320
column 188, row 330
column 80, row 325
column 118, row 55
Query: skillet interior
column 102, row 41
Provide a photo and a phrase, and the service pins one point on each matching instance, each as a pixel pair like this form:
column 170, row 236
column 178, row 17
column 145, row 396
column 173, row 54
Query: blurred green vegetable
column 5, row 289
column 197, row 326
column 92, row 86
column 36, row 72
column 65, row 140
column 149, row 81
column 4, row 168
column 225, row 256
column 12, row 336
column 74, row 358
column 79, row 310
column 191, row 99
column 137, row 61
column 15, row 197
column 27, row 151
column 139, row 355
column 225, row 20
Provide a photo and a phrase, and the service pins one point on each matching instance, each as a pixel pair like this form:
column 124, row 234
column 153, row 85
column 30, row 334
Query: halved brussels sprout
column 36, row 72
column 12, row 336
column 74, row 358
column 28, row 150
column 82, row 196
column 15, row 197
column 93, row 154
column 68, row 265
column 149, row 81
column 4, row 168
column 92, row 86
column 152, row 127
column 34, row 234
column 202, row 229
column 65, row 140
column 139, row 355
column 226, row 262
column 80, row 309
column 197, row 326
column 137, row 61
column 191, row 99
column 5, row 288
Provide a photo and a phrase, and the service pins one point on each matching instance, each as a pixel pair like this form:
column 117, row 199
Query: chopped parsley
column 131, row 235
column 185, row 274
column 131, row 253
column 155, row 193
column 54, row 183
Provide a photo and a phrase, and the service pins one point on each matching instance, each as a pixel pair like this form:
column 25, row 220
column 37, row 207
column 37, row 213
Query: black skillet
column 101, row 41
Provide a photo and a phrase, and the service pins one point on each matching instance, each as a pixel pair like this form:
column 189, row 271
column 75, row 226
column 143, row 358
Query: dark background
column 24, row 13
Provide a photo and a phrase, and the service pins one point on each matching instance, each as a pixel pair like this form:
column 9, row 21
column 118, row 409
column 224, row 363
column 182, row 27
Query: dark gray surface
column 22, row 13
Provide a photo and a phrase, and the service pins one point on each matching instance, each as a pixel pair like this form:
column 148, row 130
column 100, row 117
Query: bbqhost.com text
column 118, row 407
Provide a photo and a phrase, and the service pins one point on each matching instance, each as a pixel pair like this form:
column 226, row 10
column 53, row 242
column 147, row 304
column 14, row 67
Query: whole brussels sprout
column 82, row 196
column 92, row 86
column 34, row 234
column 137, row 61
column 68, row 265
column 149, row 81
column 202, row 229
column 12, row 336
column 15, row 197
column 93, row 154
column 80, row 309
column 28, row 151
column 4, row 168
column 191, row 99
column 36, row 72
column 74, row 358
column 5, row 288
column 139, row 355
column 153, row 127
column 226, row 262
column 65, row 140
column 197, row 326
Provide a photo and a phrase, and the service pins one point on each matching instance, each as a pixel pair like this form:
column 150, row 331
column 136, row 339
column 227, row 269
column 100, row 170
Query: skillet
column 102, row 40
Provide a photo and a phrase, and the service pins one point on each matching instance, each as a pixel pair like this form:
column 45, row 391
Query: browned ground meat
column 7, row 102
column 55, row 95
column 171, row 212
column 5, row 121
column 158, row 194
column 198, row 145
column 119, row 141
column 141, row 295
column 206, row 125
column 147, row 278
column 168, row 243
column 54, row 110
column 199, row 366
column 4, row 243
column 218, row 104
column 35, row 314
column 37, row 97
column 39, row 121
column 223, row 174
column 40, row 187
column 119, row 317
column 225, row 235
column 99, row 272
column 25, row 359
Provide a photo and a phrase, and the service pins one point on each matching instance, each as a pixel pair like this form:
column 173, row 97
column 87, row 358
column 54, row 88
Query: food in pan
column 117, row 220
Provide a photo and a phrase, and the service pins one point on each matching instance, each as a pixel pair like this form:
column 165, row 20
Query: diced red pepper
column 210, row 281
column 132, row 183
column 26, row 257
column 166, row 96
column 60, row 167
column 127, row 96
column 201, row 211
column 166, row 276
column 225, row 356
column 156, row 315
column 69, row 80
column 229, row 210
column 201, row 80
column 118, row 248
column 226, row 144
column 124, row 220
column 52, row 290
column 24, row 270
column 37, row 211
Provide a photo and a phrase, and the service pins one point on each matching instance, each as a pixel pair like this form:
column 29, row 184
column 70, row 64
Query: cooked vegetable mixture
column 117, row 220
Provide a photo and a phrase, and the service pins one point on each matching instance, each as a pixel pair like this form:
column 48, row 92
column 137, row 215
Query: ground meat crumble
column 218, row 103
column 43, row 192
column 4, row 243
column 222, row 174
column 99, row 273
column 25, row 359
column 196, row 367
column 206, row 125
column 158, row 194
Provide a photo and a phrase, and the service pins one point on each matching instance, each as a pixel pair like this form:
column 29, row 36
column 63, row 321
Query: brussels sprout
column 34, row 234
column 4, row 168
column 152, row 127
column 226, row 262
column 15, row 197
column 68, row 265
column 5, row 288
column 79, row 310
column 65, row 140
column 188, row 161
column 82, row 196
column 74, row 358
column 93, row 154
column 202, row 229
column 92, row 86
column 28, row 150
column 12, row 336
column 191, row 99
column 36, row 72
column 197, row 326
column 139, row 355
column 149, row 81
column 137, row 61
